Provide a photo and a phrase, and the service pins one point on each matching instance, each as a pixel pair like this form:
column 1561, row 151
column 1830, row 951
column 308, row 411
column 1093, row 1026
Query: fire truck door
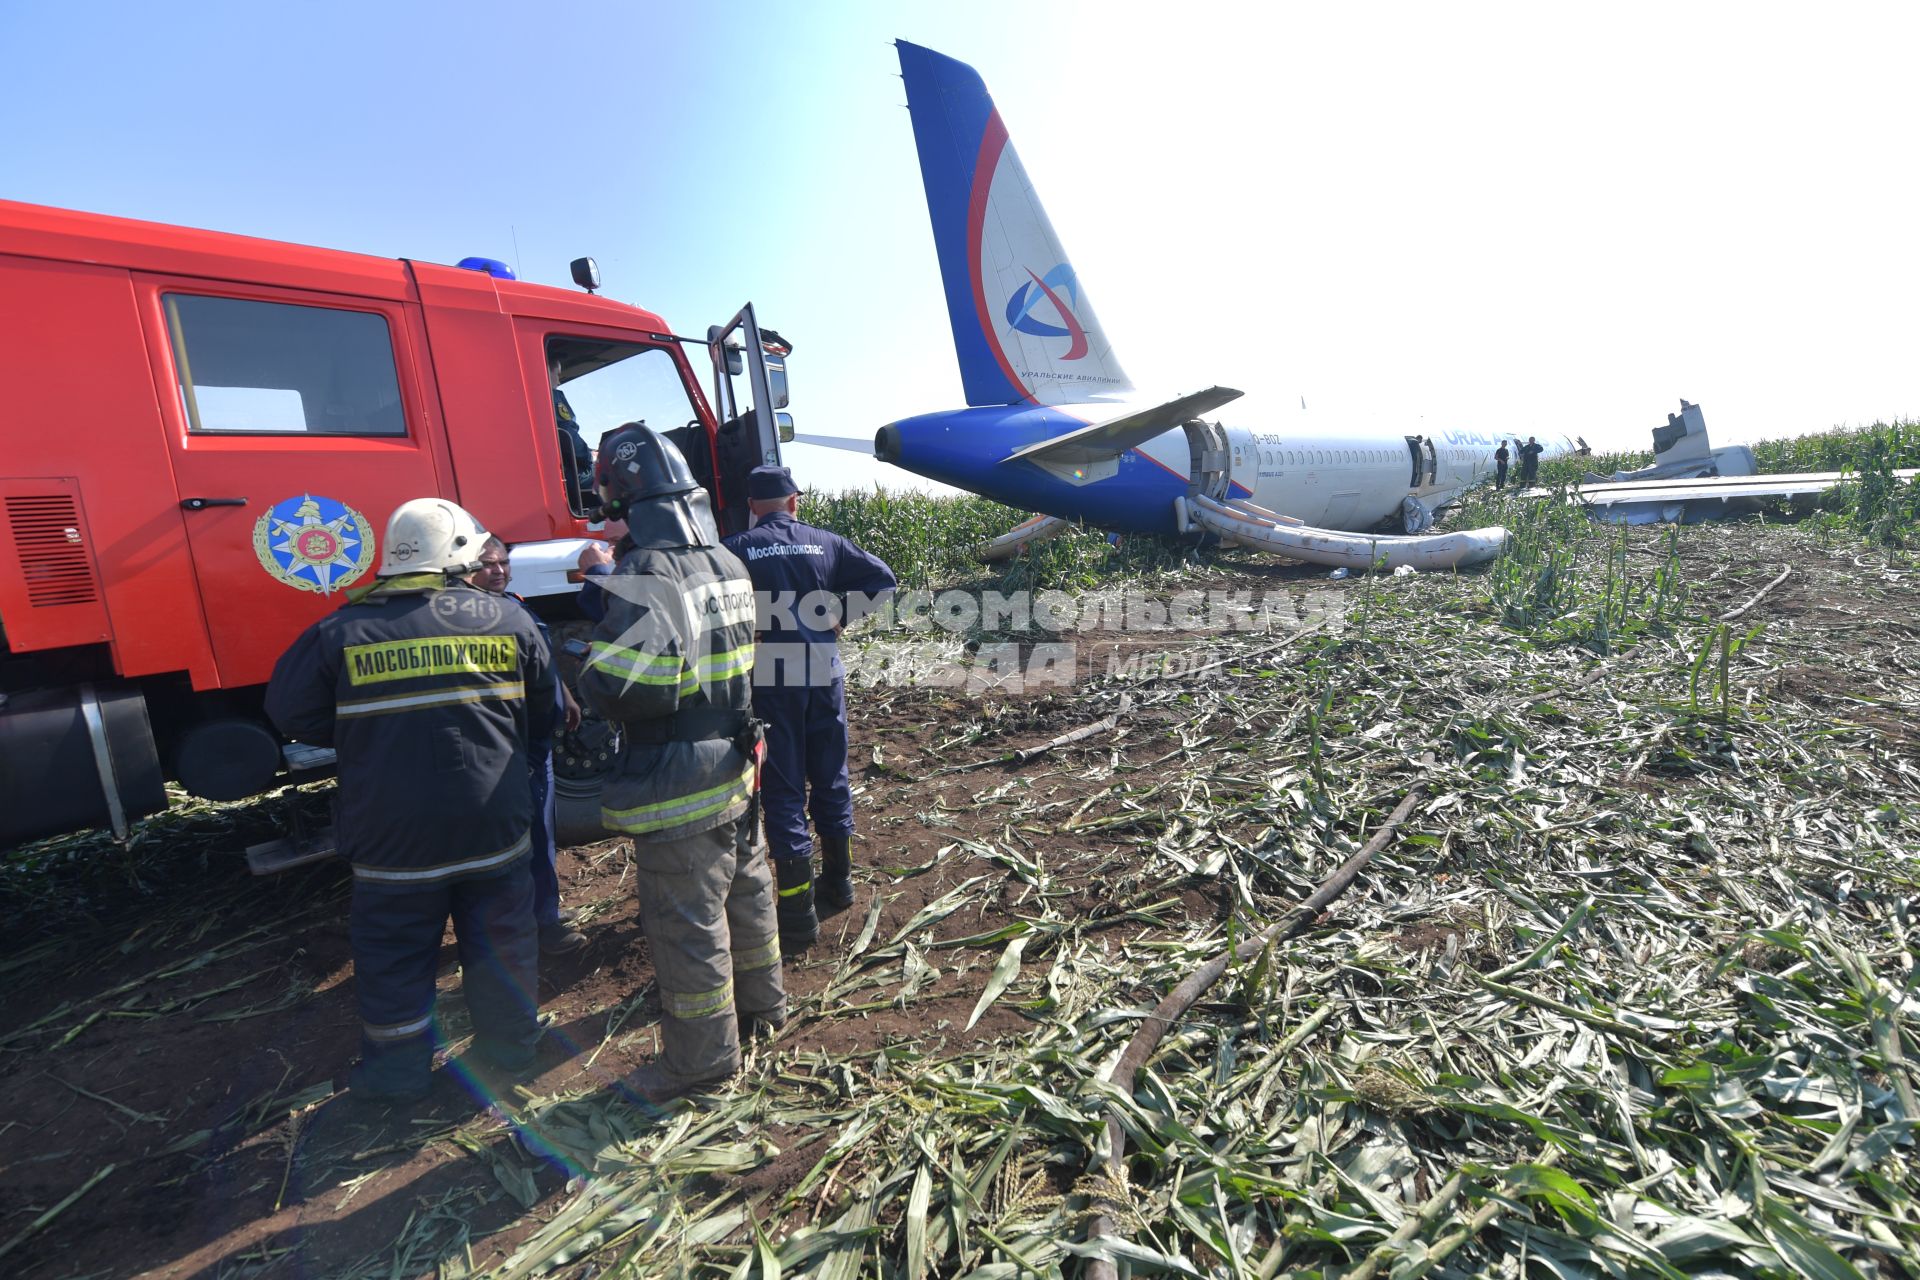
column 749, row 385
column 297, row 424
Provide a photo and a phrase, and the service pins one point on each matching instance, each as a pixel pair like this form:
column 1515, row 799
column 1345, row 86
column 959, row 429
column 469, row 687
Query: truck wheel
column 582, row 760
column 576, row 819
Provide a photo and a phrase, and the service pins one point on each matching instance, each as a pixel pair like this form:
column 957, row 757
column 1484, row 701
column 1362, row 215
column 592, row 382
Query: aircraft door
column 749, row 390
column 1426, row 461
column 1211, row 470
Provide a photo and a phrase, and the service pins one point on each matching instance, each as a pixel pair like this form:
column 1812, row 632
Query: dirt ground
column 173, row 1055
column 170, row 1052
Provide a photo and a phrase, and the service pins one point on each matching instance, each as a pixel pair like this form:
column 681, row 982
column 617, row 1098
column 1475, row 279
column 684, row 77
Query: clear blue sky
column 1507, row 216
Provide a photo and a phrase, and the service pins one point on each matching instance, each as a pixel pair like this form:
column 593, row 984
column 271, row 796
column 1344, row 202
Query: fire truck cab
column 205, row 435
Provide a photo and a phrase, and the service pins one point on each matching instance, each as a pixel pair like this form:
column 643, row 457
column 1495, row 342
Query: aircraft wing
column 1783, row 485
column 1103, row 440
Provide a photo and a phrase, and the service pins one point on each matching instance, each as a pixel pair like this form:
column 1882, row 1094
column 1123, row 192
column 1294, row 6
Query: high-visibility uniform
column 671, row 661
column 428, row 689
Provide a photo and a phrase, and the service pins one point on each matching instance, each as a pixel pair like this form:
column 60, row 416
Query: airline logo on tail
column 1057, row 281
column 1022, row 326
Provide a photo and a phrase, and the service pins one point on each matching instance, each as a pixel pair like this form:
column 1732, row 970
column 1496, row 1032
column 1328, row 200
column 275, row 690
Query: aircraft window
column 274, row 368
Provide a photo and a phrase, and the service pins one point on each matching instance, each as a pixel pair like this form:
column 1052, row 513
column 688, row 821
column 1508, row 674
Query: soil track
column 176, row 1052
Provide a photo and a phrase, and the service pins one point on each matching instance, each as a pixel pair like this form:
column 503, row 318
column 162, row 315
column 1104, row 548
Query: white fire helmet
column 429, row 535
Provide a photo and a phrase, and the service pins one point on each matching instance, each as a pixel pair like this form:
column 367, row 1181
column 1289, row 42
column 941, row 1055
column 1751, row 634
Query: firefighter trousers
column 706, row 904
column 396, row 953
column 806, row 749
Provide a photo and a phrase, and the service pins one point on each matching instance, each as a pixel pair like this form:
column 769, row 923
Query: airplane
column 1689, row 480
column 1048, row 429
column 1682, row 450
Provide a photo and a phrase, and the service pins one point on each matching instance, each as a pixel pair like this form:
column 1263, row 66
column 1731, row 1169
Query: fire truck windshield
column 600, row 385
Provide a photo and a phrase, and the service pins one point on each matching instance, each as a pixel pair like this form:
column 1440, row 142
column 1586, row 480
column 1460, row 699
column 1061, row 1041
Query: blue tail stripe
column 951, row 109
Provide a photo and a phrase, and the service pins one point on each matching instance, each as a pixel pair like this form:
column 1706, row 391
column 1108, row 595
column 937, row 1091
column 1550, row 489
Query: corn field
column 1628, row 988
column 929, row 542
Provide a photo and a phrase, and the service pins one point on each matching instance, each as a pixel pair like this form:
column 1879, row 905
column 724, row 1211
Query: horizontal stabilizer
column 1110, row 439
column 835, row 442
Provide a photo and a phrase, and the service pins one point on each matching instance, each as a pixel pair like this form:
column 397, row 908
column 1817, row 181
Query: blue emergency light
column 492, row 266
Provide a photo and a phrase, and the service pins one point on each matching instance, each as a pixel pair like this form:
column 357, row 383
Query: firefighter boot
column 793, row 904
column 694, row 1053
column 835, row 886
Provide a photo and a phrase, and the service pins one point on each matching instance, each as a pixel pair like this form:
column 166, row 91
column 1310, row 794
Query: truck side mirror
column 734, row 361
column 784, row 422
column 586, row 273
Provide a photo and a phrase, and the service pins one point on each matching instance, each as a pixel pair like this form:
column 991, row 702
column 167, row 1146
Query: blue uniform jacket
column 429, row 690
column 807, row 582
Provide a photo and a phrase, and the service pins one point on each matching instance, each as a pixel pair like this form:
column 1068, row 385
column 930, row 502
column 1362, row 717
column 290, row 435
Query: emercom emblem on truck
column 314, row 543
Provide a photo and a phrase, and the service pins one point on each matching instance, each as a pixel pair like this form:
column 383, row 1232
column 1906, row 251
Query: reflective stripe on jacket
column 677, row 634
column 428, row 690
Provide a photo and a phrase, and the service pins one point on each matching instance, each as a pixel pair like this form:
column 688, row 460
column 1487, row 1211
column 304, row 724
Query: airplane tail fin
column 1022, row 326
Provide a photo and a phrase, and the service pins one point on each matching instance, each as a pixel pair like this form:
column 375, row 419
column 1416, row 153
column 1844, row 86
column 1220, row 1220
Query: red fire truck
column 204, row 438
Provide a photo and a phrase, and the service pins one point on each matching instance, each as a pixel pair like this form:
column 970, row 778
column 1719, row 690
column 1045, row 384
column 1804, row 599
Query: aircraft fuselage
column 1343, row 481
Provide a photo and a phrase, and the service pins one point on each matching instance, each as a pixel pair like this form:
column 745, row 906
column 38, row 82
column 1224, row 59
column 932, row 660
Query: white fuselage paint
column 1348, row 481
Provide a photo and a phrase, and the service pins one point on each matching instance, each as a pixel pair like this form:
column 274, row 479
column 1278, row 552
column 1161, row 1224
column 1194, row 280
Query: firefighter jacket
column 809, row 582
column 672, row 662
column 427, row 690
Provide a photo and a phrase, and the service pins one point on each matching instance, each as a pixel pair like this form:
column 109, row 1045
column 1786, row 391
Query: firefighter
column 558, row 937
column 671, row 662
column 805, row 579
column 428, row 689
column 575, row 456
